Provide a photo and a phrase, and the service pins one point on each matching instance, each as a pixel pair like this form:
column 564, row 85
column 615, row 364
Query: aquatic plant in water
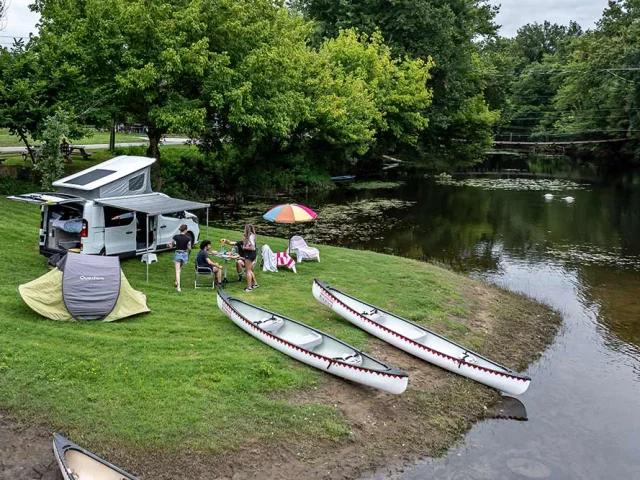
column 520, row 184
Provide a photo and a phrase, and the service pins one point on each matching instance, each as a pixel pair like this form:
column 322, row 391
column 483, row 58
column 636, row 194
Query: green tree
column 287, row 99
column 23, row 93
column 598, row 94
column 534, row 41
column 51, row 161
column 140, row 58
column 440, row 29
column 521, row 76
column 239, row 74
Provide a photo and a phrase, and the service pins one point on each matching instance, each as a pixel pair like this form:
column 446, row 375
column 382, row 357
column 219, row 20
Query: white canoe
column 311, row 346
column 421, row 342
column 76, row 463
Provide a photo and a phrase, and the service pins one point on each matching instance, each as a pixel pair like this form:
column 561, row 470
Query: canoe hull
column 84, row 464
column 500, row 380
column 388, row 381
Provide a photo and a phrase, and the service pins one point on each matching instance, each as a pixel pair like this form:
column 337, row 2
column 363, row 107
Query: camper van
column 110, row 209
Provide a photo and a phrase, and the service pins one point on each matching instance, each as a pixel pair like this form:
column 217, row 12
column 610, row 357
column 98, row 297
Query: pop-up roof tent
column 84, row 287
column 119, row 177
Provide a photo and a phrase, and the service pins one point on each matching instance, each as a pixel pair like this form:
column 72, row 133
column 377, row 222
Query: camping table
column 226, row 256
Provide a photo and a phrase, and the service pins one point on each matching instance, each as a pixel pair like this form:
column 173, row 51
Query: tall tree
column 24, row 101
column 239, row 73
column 141, row 57
column 535, row 40
column 599, row 92
column 522, row 71
column 445, row 30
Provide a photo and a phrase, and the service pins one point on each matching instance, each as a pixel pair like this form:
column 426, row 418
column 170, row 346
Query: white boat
column 419, row 341
column 76, row 463
column 311, row 346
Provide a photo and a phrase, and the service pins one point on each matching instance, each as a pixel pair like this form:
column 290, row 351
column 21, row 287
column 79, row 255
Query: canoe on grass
column 419, row 341
column 76, row 463
column 311, row 346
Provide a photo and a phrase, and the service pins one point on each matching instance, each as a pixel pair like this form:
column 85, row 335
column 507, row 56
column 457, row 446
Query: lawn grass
column 7, row 140
column 97, row 156
column 186, row 376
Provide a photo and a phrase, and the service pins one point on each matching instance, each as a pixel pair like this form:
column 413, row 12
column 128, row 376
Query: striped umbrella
column 290, row 213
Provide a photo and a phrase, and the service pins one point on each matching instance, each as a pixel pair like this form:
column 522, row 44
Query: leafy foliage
column 241, row 76
column 558, row 83
column 50, row 160
column 437, row 29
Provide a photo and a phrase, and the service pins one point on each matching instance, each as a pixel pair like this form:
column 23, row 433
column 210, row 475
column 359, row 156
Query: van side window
column 175, row 215
column 116, row 217
column 136, row 183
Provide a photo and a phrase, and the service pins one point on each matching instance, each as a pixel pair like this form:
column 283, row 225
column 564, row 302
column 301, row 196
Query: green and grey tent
column 84, row 287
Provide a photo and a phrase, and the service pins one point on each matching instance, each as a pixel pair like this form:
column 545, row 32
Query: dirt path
column 386, row 431
column 25, row 452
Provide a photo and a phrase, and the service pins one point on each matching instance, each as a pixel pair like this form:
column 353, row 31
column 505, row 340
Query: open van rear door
column 45, row 197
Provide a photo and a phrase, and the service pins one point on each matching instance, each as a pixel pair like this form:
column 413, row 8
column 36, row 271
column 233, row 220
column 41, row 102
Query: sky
column 513, row 14
column 516, row 13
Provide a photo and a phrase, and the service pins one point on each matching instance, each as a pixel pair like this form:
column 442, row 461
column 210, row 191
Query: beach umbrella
column 290, row 213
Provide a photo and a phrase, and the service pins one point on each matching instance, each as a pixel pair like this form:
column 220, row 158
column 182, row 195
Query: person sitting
column 240, row 266
column 65, row 149
column 204, row 263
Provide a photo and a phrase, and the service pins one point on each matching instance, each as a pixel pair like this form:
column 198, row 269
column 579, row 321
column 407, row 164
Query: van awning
column 152, row 204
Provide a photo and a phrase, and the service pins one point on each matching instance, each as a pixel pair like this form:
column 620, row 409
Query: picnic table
column 226, row 256
column 67, row 150
column 35, row 149
column 81, row 151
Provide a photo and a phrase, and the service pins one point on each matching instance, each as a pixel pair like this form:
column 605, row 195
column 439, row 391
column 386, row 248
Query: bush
column 16, row 186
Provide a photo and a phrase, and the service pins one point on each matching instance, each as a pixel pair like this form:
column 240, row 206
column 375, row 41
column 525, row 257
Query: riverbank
column 183, row 389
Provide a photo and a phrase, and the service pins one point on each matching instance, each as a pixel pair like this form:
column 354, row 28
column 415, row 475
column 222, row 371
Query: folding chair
column 200, row 273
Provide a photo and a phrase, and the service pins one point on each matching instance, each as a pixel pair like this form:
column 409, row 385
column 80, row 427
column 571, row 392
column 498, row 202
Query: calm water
column 582, row 258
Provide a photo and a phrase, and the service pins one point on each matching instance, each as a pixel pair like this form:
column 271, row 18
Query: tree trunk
column 155, row 135
column 112, row 136
column 30, row 151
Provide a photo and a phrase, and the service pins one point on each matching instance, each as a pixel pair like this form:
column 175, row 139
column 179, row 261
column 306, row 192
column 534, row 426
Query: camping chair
column 200, row 274
column 299, row 247
column 271, row 261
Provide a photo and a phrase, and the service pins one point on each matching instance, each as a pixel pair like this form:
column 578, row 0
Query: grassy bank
column 8, row 140
column 142, row 390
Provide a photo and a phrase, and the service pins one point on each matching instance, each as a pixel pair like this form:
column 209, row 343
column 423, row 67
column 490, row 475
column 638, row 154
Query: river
column 581, row 257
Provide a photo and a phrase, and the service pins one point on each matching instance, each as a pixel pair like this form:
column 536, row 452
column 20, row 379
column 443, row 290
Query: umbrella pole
column 207, row 222
column 147, row 253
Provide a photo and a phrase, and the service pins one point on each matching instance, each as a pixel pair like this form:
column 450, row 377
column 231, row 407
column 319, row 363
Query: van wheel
column 193, row 240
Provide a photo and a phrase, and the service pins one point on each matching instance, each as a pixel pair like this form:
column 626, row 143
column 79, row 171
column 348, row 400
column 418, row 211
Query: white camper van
column 110, row 209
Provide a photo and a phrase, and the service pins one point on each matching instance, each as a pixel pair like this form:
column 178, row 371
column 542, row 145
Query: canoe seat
column 467, row 357
column 307, row 341
column 413, row 334
column 375, row 315
column 270, row 324
column 350, row 358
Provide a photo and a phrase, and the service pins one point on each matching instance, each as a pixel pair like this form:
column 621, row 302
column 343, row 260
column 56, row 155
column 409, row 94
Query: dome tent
column 84, row 287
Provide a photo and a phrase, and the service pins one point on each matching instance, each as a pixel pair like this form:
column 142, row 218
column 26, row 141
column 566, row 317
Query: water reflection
column 509, row 408
column 582, row 258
